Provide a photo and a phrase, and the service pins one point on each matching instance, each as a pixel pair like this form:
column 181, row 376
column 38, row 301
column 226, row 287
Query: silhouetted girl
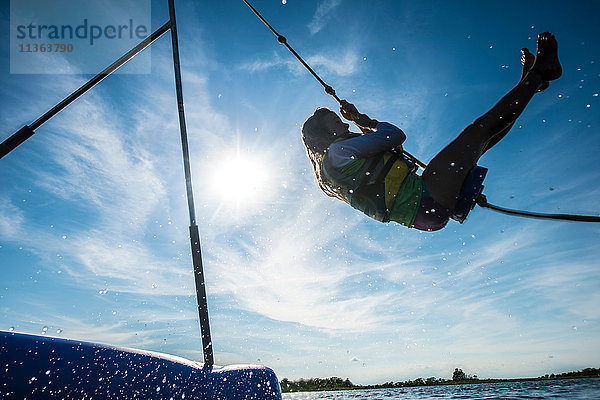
column 366, row 171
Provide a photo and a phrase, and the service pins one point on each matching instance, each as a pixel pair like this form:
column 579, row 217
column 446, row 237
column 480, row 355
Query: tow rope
column 482, row 202
column 328, row 89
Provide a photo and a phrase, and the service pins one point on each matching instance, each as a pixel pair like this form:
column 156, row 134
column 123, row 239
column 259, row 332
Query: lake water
column 571, row 389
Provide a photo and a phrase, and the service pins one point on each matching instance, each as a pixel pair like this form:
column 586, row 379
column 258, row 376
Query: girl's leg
column 527, row 60
column 447, row 170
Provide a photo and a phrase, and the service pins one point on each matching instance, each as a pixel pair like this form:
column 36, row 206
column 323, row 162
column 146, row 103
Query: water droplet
column 154, row 286
column 59, row 331
column 48, row 372
column 551, row 188
column 64, row 236
column 283, row 1
column 11, row 329
column 452, row 164
column 44, row 330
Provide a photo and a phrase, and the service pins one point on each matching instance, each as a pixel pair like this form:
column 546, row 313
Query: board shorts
column 432, row 216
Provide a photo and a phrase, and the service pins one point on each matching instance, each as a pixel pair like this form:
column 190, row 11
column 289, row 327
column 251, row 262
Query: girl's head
column 322, row 129
column 318, row 132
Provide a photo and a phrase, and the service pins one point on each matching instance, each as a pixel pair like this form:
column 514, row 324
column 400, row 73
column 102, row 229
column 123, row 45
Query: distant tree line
column 458, row 377
column 316, row 384
column 584, row 373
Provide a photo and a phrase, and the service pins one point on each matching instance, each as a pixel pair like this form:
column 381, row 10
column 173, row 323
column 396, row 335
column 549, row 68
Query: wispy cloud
column 321, row 15
column 342, row 65
column 339, row 63
column 11, row 219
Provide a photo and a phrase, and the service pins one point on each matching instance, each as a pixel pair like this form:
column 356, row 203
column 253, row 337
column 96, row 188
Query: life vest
column 362, row 184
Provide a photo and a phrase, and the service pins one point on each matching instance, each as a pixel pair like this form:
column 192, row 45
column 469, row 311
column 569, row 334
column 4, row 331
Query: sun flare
column 241, row 179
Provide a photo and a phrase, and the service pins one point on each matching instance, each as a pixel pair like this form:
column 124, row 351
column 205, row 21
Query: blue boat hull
column 40, row 367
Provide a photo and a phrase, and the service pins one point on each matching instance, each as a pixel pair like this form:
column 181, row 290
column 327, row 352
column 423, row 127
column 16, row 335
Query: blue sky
column 93, row 216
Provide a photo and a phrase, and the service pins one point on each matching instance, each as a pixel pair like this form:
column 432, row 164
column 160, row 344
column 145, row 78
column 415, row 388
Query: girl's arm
column 385, row 137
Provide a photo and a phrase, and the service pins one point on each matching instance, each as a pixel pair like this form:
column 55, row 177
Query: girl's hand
column 349, row 111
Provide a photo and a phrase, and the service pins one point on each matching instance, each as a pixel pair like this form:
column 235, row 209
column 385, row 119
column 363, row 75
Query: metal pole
column 28, row 130
column 194, row 234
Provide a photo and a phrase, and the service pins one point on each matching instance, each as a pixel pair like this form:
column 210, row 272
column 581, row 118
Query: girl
column 366, row 170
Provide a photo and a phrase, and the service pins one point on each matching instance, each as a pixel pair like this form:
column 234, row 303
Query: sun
column 241, row 179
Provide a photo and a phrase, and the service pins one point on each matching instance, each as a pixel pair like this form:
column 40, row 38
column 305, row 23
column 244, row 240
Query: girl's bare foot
column 546, row 62
column 527, row 59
